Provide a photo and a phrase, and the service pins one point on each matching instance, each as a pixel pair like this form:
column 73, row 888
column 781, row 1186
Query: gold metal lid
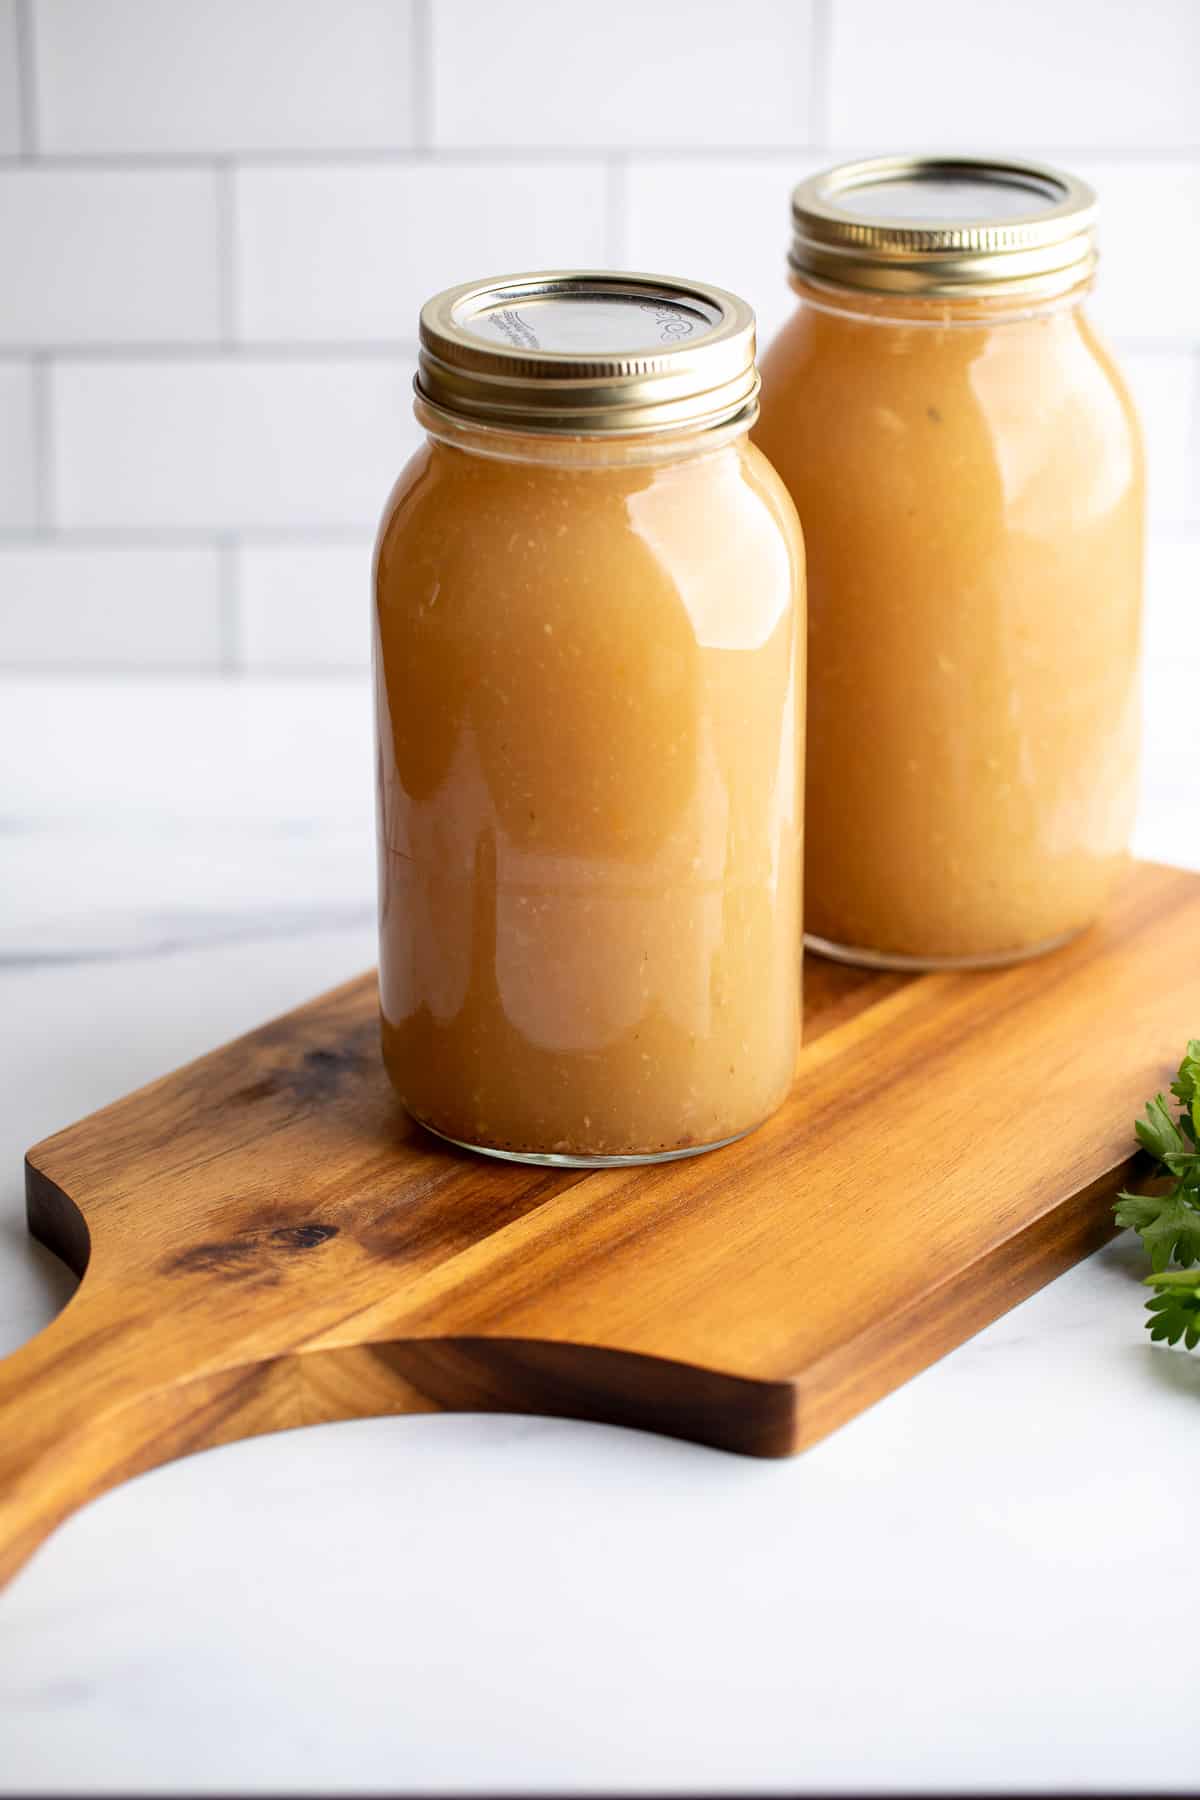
column 586, row 352
column 945, row 225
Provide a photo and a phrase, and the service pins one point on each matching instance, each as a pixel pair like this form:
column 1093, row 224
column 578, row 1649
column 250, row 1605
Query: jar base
column 887, row 959
column 558, row 1160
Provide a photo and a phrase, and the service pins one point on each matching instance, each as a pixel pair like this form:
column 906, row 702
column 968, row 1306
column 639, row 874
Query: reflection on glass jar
column 588, row 669
column 967, row 463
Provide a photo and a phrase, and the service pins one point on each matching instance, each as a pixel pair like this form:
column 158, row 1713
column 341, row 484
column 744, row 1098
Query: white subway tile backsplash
column 1171, row 680
column 352, row 252
column 1173, row 608
column 224, row 338
column 18, row 447
column 723, row 220
column 1149, row 274
column 225, row 75
column 1166, row 389
column 102, row 607
column 304, row 606
column 10, row 93
column 111, row 255
column 228, row 443
column 938, row 72
column 626, row 74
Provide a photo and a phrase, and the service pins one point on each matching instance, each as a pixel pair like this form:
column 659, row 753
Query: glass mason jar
column 967, row 463
column 589, row 644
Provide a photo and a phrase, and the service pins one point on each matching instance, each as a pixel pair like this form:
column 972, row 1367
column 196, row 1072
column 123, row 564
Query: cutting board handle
column 103, row 1394
column 63, row 1436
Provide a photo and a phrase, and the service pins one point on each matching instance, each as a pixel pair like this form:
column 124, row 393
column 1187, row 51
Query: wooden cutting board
column 269, row 1242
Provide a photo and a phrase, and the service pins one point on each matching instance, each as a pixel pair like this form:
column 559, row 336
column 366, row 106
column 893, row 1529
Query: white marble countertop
column 974, row 1585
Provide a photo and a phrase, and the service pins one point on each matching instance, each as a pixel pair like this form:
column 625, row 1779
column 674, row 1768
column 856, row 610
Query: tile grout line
column 26, row 81
column 1126, row 344
column 499, row 156
column 820, row 84
column 226, row 294
column 43, row 460
column 616, row 211
column 421, row 79
column 249, row 350
column 229, row 606
column 273, row 673
column 188, row 537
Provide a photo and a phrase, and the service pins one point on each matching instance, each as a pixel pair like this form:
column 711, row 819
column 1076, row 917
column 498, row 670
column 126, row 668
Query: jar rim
column 945, row 226
column 588, row 352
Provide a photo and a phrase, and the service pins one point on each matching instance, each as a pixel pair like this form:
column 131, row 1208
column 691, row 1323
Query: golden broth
column 589, row 668
column 970, row 482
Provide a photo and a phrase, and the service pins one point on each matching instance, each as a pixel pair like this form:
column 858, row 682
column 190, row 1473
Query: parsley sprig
column 1168, row 1222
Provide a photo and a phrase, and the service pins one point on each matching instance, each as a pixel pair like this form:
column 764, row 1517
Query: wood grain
column 266, row 1241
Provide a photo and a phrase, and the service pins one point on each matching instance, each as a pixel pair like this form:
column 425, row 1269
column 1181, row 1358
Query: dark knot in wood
column 254, row 1255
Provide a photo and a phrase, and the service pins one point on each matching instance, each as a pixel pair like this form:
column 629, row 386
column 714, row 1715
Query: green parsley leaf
column 1175, row 1308
column 1157, row 1131
column 1186, row 1087
column 1187, row 1083
column 1168, row 1225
